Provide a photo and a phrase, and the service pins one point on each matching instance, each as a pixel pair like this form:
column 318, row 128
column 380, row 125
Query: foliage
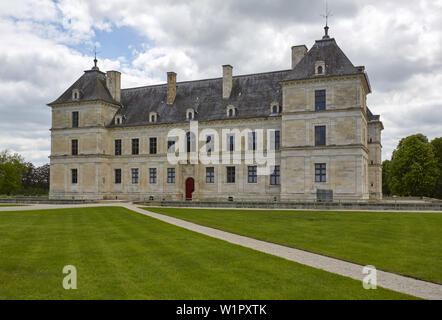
column 11, row 171
column 386, row 174
column 18, row 177
column 437, row 149
column 413, row 170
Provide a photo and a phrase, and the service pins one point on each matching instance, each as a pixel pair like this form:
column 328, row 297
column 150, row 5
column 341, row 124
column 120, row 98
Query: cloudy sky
column 45, row 46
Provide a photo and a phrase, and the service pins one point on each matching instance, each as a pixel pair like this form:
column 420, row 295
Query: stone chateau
column 112, row 143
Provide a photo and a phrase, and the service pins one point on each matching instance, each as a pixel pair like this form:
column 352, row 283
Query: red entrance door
column 190, row 188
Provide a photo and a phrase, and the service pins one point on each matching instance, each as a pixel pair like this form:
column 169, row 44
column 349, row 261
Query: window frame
column 135, row 175
column 252, row 174
column 135, row 146
column 275, row 176
column 117, row 147
column 210, row 175
column 230, row 174
column 74, row 176
column 171, row 175
column 153, row 145
column 320, row 172
column 320, row 141
column 117, row 176
column 153, row 175
column 75, row 119
column 320, row 100
column 74, row 147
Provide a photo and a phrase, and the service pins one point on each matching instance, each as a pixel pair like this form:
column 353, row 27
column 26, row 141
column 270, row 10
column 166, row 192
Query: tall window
column 74, row 176
column 275, row 176
column 75, row 119
column 74, row 145
column 320, row 172
column 230, row 112
column 153, row 145
column 135, row 146
column 170, row 175
column 252, row 176
column 152, row 175
column 231, row 142
column 275, row 142
column 190, row 142
column 319, row 135
column 117, row 176
column 135, row 176
column 210, row 175
column 230, row 174
column 252, row 140
column 320, row 100
column 171, row 145
column 118, row 147
column 210, row 143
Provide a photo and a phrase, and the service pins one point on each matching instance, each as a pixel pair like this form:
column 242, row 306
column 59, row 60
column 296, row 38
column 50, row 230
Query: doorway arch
column 190, row 188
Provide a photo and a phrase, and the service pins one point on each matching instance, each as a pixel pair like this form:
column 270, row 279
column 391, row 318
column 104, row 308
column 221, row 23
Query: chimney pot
column 227, row 81
column 113, row 83
column 171, row 87
column 298, row 52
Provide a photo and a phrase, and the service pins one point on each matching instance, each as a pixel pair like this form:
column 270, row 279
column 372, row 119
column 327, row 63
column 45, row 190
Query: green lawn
column 404, row 243
column 120, row 254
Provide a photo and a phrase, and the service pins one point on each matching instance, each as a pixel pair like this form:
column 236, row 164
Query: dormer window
column 118, row 120
column 75, row 94
column 153, row 117
column 319, row 68
column 231, row 111
column 190, row 114
column 274, row 108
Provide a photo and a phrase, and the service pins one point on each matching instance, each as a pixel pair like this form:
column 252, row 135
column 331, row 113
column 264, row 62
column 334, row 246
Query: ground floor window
column 230, row 174
column 210, row 175
column 170, row 175
column 275, row 176
column 252, row 176
column 74, row 174
column 134, row 176
column 152, row 175
column 117, row 176
column 320, row 172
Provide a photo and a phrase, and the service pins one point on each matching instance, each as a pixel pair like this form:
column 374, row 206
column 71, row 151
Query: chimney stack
column 298, row 52
column 227, row 81
column 113, row 83
column 171, row 87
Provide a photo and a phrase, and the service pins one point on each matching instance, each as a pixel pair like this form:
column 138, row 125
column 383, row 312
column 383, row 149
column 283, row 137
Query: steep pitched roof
column 252, row 95
column 92, row 86
column 336, row 62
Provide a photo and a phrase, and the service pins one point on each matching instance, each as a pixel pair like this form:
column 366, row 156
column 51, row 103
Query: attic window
column 153, row 117
column 274, row 108
column 231, row 111
column 190, row 114
column 75, row 94
column 319, row 68
column 118, row 120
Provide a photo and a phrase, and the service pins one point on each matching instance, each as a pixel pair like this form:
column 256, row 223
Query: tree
column 11, row 171
column 413, row 169
column 437, row 149
column 386, row 177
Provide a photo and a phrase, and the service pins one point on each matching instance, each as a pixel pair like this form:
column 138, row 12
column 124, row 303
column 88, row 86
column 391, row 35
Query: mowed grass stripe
column 406, row 243
column 120, row 254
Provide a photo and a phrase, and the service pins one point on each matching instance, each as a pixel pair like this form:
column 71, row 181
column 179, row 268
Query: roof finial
column 95, row 67
column 326, row 16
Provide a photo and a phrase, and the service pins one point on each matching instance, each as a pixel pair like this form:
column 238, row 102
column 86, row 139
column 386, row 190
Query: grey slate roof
column 252, row 95
column 327, row 50
column 92, row 86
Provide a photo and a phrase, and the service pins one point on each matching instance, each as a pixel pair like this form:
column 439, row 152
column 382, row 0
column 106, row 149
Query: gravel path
column 414, row 287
